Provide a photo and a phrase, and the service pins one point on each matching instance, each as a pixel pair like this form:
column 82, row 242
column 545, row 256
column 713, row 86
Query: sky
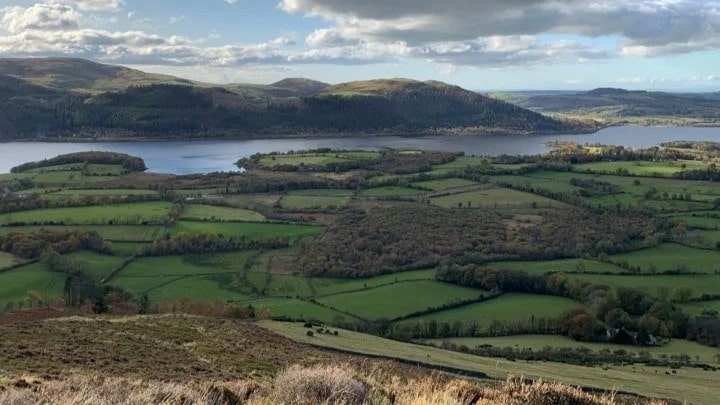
column 481, row 45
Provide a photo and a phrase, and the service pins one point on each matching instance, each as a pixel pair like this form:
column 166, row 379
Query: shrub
column 319, row 385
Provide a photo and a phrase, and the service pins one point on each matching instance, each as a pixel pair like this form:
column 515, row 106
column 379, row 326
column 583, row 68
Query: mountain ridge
column 87, row 99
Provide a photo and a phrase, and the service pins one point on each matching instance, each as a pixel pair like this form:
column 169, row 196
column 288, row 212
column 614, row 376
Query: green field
column 119, row 233
column 694, row 385
column 77, row 193
column 15, row 284
column 201, row 288
column 321, row 192
column 252, row 200
column 507, row 307
column 202, row 212
column 284, row 285
column 312, row 201
column 127, row 249
column 97, row 265
column 391, row 191
column 168, row 275
column 399, row 299
column 298, row 309
column 642, row 168
column 671, row 256
column 125, row 214
column 188, row 265
column 94, row 169
column 538, row 342
column 565, row 265
column 495, row 198
column 443, row 184
column 329, row 286
column 699, row 222
column 696, row 308
column 699, row 284
column 250, row 230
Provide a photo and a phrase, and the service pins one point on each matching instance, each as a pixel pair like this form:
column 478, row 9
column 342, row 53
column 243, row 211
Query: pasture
column 297, row 309
column 250, row 230
column 699, row 221
column 694, row 385
column 399, row 299
column 77, row 193
column 461, row 162
column 495, row 198
column 188, row 265
column 672, row 256
column 312, row 202
column 120, row 214
column 212, row 213
column 652, row 284
column 390, row 191
column 127, row 249
column 444, row 184
column 507, row 307
column 329, row 286
column 642, row 168
column 209, row 288
column 114, row 233
column 97, row 265
column 697, row 308
column 15, row 283
column 538, row 342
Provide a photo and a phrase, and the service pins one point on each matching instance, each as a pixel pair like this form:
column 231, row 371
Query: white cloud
column 40, row 17
column 95, row 5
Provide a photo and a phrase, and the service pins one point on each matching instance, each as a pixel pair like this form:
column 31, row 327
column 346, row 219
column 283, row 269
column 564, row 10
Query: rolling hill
column 620, row 105
column 60, row 97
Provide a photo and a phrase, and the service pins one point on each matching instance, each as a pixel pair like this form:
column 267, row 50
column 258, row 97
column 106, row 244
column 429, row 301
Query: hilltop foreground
column 211, row 361
column 63, row 98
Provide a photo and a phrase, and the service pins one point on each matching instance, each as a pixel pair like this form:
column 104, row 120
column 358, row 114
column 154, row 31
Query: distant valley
column 619, row 106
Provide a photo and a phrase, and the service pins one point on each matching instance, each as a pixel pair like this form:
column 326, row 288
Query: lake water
column 208, row 156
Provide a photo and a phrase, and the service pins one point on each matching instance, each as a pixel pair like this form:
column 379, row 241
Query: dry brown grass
column 329, row 384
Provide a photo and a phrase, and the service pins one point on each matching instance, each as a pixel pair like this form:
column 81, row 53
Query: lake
column 182, row 157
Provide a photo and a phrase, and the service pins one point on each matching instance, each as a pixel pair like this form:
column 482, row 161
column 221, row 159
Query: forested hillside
column 44, row 98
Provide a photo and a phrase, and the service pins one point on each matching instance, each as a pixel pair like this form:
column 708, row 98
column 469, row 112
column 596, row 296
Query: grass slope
column 696, row 386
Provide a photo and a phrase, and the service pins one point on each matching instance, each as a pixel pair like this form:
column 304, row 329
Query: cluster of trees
column 400, row 236
column 362, row 243
column 592, row 187
column 577, row 355
column 575, row 153
column 712, row 173
column 387, row 162
column 410, row 329
column 35, row 244
column 629, row 316
column 129, row 163
column 210, row 242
